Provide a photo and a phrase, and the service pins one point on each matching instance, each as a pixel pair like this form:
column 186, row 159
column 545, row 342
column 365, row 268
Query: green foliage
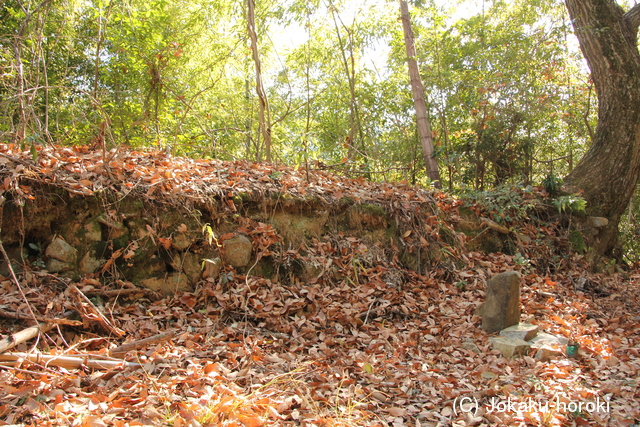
column 552, row 184
column 505, row 204
column 520, row 260
column 570, row 203
column 178, row 76
column 498, row 111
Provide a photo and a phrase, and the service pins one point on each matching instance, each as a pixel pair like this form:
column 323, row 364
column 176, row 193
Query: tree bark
column 264, row 115
column 417, row 90
column 608, row 173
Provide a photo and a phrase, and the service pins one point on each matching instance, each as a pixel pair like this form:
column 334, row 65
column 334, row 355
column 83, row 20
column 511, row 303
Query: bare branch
column 633, row 17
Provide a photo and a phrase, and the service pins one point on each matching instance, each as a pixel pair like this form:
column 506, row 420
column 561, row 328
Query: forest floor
column 360, row 351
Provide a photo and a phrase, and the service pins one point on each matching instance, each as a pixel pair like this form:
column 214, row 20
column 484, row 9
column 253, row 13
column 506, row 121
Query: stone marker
column 501, row 308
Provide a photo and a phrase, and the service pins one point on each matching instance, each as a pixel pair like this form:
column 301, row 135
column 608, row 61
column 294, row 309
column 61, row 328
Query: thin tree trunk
column 264, row 115
column 608, row 173
column 355, row 129
column 417, row 89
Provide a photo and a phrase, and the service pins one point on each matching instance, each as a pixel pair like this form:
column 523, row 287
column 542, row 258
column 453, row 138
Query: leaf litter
column 365, row 342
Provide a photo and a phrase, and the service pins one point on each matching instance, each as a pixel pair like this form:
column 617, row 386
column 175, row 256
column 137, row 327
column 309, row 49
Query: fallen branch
column 91, row 313
column 125, row 293
column 56, row 321
column 495, row 226
column 65, row 361
column 26, row 334
column 135, row 345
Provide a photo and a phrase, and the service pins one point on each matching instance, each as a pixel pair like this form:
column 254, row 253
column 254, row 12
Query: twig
column 366, row 318
column 24, row 371
column 16, row 160
column 66, row 361
column 85, row 305
column 135, row 345
column 27, row 334
column 55, row 321
column 125, row 293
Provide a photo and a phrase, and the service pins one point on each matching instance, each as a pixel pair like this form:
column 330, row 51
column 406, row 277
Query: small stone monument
column 501, row 308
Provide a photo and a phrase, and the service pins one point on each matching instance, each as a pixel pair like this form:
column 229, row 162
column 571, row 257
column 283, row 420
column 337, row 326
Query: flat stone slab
column 524, row 331
column 544, row 338
column 509, row 347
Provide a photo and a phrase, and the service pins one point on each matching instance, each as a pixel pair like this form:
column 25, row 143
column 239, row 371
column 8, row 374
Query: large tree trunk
column 417, row 89
column 608, row 173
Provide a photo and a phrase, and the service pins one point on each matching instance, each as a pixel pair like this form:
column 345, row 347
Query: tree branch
column 633, row 17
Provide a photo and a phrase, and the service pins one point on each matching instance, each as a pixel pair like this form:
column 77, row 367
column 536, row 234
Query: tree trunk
column 608, row 173
column 417, row 90
column 264, row 115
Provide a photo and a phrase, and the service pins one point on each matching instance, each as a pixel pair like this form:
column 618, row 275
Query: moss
column 347, row 201
column 278, row 195
column 447, row 235
column 577, row 241
column 372, row 209
column 265, row 268
column 241, row 197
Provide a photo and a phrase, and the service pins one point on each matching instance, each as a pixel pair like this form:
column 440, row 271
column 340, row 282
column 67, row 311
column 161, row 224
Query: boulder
column 60, row 250
column 501, row 308
column 189, row 264
column 181, row 242
column 212, row 268
column 56, row 266
column 237, row 251
column 90, row 263
column 92, row 231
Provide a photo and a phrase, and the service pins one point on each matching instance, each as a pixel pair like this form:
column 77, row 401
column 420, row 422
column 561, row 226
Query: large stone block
column 501, row 308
